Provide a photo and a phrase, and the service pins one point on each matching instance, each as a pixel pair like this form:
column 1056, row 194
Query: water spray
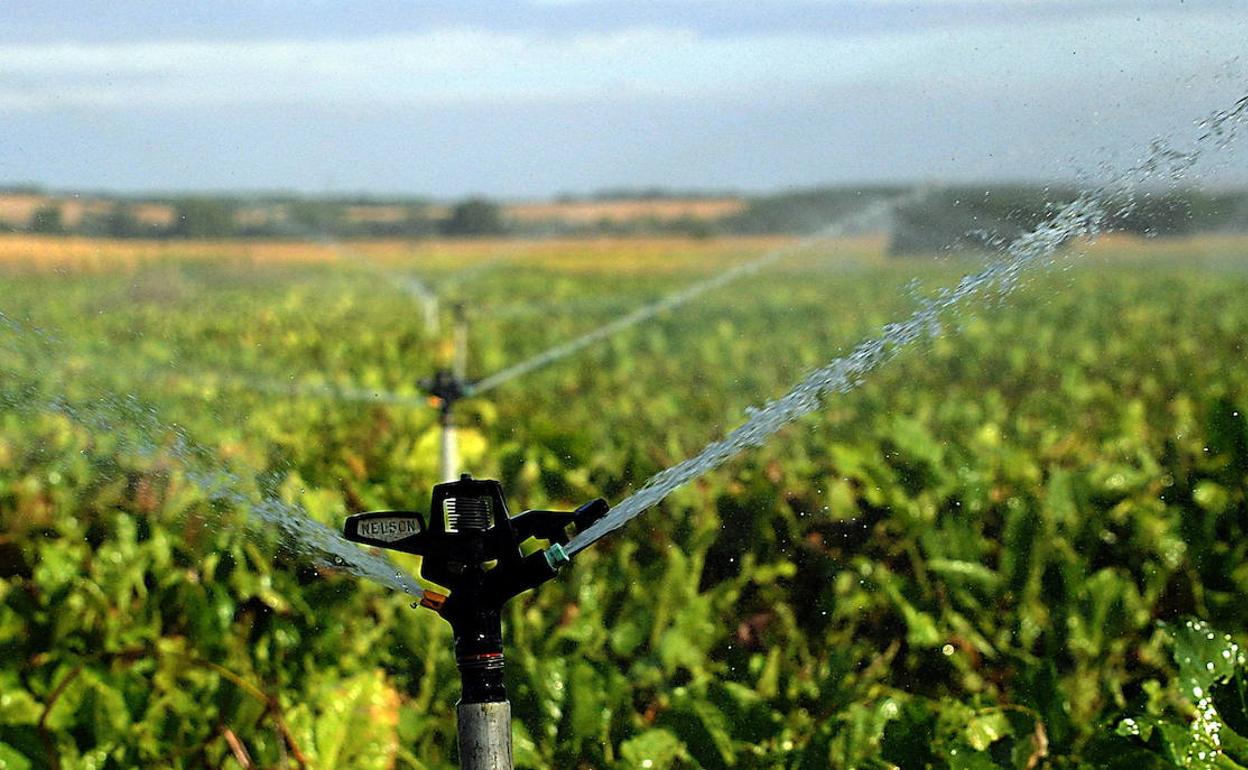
column 1087, row 216
column 430, row 295
column 871, row 214
column 449, row 386
column 471, row 547
column 427, row 297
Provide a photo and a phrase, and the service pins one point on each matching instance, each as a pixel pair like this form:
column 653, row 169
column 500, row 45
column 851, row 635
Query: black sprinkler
column 448, row 388
column 471, row 547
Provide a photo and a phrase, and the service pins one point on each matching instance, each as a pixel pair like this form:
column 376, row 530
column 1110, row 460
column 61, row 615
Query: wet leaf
column 986, row 729
column 653, row 750
column 11, row 759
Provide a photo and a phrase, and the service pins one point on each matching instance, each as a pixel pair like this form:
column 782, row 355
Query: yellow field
column 36, row 253
column 1194, row 246
column 47, row 253
column 584, row 256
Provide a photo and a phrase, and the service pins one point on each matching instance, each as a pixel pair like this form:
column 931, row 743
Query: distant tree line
column 961, row 218
column 947, row 218
column 203, row 217
column 645, row 194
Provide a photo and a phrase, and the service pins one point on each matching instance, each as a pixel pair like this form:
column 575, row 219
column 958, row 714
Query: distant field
column 590, row 212
column 41, row 253
column 19, row 210
column 653, row 255
column 20, row 253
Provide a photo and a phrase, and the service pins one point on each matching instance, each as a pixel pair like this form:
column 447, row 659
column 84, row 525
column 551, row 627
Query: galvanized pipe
column 429, row 304
column 484, row 736
column 449, row 452
column 459, row 363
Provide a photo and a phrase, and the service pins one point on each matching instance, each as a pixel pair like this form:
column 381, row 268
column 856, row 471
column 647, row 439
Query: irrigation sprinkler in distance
column 447, row 387
column 447, row 390
column 471, row 547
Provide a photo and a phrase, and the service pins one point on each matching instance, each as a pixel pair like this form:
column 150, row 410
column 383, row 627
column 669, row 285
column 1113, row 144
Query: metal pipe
column 484, row 736
column 447, row 391
column 459, row 364
column 449, row 452
column 429, row 303
column 484, row 714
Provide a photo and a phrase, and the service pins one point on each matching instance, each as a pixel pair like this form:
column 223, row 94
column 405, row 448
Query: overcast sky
column 527, row 99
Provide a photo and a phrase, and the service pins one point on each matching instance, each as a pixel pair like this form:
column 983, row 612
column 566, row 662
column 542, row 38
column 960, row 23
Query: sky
column 533, row 99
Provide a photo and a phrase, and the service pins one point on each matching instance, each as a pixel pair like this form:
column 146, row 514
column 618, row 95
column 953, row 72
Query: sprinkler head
column 446, row 387
column 471, row 546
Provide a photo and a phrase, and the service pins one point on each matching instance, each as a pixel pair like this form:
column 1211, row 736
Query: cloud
column 470, row 65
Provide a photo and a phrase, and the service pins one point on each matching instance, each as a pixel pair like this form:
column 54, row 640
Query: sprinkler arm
column 457, row 560
column 553, row 525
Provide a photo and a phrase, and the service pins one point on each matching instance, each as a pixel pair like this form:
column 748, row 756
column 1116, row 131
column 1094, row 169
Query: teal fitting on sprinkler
column 556, row 557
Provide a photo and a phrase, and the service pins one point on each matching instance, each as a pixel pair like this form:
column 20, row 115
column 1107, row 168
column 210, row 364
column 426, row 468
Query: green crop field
column 998, row 552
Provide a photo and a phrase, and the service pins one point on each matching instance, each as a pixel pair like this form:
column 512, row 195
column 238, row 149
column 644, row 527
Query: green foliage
column 982, row 558
column 203, row 218
column 1201, row 722
column 122, row 223
column 475, row 216
column 47, row 219
column 316, row 217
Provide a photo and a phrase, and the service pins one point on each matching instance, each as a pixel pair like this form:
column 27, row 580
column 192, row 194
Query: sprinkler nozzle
column 556, row 557
column 446, row 386
column 432, row 600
